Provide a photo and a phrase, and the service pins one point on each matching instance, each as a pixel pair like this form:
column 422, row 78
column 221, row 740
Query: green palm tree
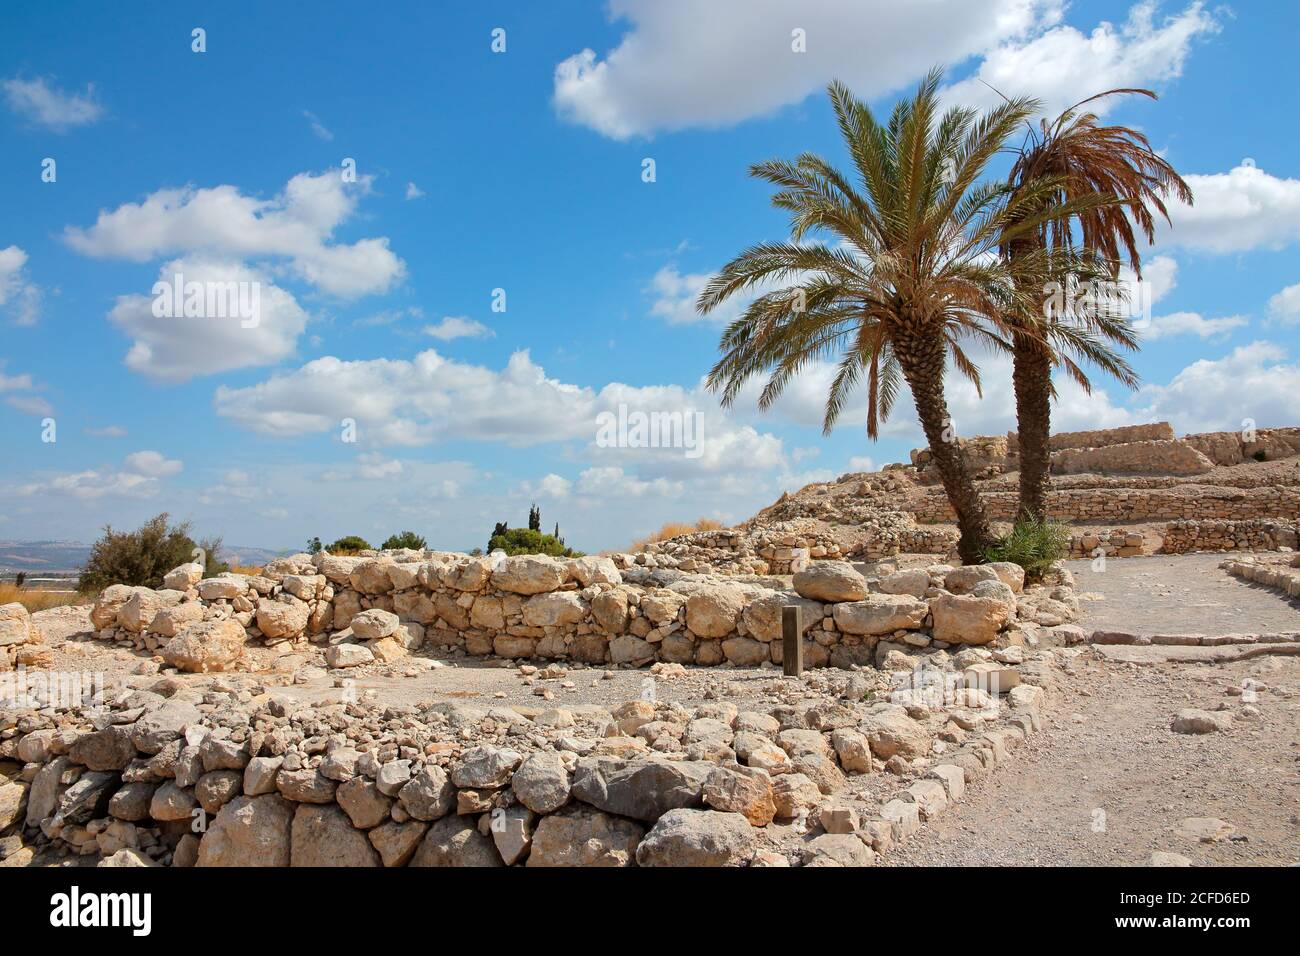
column 1080, row 159
column 912, row 278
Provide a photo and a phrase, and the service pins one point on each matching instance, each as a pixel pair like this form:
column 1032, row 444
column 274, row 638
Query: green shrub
column 1034, row 545
column 406, row 539
column 529, row 541
column 142, row 557
column 349, row 544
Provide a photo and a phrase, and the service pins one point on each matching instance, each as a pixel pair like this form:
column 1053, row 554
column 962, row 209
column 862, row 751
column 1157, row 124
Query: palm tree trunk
column 1031, row 376
column 921, row 359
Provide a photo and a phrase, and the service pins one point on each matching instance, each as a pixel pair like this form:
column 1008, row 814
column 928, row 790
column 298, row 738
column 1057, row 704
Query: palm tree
column 913, row 276
column 1082, row 159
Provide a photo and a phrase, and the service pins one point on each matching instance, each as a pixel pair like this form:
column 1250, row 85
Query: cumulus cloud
column 1237, row 211
column 682, row 63
column 457, row 327
column 373, row 465
column 178, row 347
column 137, row 477
column 297, row 225
column 1191, row 323
column 20, row 298
column 1285, row 305
column 1064, row 65
column 432, row 398
column 41, row 102
column 413, row 191
column 152, row 464
column 1254, row 381
column 106, row 431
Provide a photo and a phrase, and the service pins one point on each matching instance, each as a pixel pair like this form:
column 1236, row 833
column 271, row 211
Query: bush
column 1034, row 545
column 528, row 541
column 673, row 529
column 142, row 557
column 406, row 539
column 349, row 544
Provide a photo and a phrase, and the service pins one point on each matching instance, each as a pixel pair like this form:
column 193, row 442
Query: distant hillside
column 67, row 557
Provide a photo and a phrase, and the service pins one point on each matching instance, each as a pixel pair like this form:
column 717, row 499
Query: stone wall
column 217, row 772
column 1253, row 535
column 1136, row 458
column 1231, row 448
column 364, row 610
column 1121, row 504
column 1104, row 437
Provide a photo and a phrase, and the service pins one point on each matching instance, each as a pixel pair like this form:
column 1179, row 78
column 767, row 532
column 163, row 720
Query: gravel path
column 1107, row 782
column 1177, row 594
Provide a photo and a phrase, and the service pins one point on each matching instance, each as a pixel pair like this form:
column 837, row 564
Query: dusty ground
column 1107, row 745
column 1180, row 593
column 1106, row 783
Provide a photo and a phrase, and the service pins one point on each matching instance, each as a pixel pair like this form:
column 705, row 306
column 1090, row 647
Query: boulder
column 713, row 610
column 455, row 841
column 762, row 616
column 277, row 619
column 592, row 569
column 161, row 725
column 485, row 768
column 914, row 582
column 429, row 795
column 224, row 587
column 170, row 621
column 104, row 612
column 248, row 831
column 555, row 609
column 744, row 790
column 529, row 574
column 206, row 646
column 1194, row 721
column 323, row 836
column 374, row 624
column 541, row 783
column 397, row 842
column 641, row 789
column 183, row 577
column 881, row 614
column 107, row 749
column 891, row 732
column 831, row 581
column 609, row 609
column 967, row 619
column 696, row 838
column 581, row 836
column 348, row 655
column 15, row 625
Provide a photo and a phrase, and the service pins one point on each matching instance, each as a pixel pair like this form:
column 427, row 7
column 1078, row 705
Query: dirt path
column 1107, row 782
column 1175, row 594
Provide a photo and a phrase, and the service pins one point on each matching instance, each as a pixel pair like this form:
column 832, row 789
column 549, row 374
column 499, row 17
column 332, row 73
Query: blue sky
column 522, row 171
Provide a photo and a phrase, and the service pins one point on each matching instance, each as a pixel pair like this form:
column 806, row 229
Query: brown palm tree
column 1081, row 158
column 912, row 276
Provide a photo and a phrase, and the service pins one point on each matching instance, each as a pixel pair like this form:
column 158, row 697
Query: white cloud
column 1254, row 381
column 152, row 464
column 30, row 405
column 317, row 127
column 675, row 295
column 458, row 327
column 1191, row 323
column 26, row 400
column 1063, row 65
column 1159, row 277
column 107, row 431
column 413, row 191
column 220, row 221
column 19, row 297
column 1237, row 211
column 49, row 106
column 1285, row 305
column 613, row 482
column 138, row 477
column 373, row 465
column 683, row 63
column 552, row 486
column 175, row 349
column 431, row 398
column 861, row 463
